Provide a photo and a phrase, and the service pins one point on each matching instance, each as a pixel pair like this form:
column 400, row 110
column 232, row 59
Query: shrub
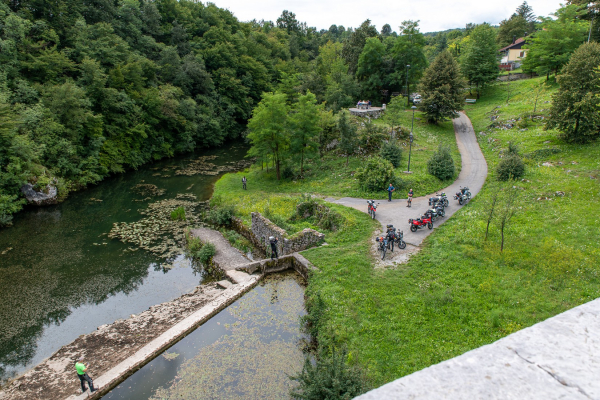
column 328, row 378
column 377, row 174
column 206, row 253
column 178, row 214
column 392, row 152
column 221, row 216
column 441, row 164
column 510, row 167
column 287, row 172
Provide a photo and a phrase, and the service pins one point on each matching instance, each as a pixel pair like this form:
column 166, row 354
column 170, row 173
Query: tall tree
column 441, row 88
column 551, row 47
column 479, row 61
column 575, row 105
column 408, row 50
column 305, row 128
column 370, row 71
column 513, row 28
column 348, row 135
column 268, row 134
column 353, row 47
column 526, row 12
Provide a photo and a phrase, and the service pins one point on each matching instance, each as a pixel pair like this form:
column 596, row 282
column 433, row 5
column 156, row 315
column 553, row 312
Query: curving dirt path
column 473, row 174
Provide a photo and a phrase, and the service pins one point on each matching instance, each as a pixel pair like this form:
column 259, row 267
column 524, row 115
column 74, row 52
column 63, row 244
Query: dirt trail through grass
column 473, row 174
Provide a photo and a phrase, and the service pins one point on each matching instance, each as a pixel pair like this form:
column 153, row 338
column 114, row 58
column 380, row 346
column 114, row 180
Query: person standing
column 410, row 196
column 390, row 189
column 81, row 369
column 369, row 105
column 273, row 241
column 244, row 180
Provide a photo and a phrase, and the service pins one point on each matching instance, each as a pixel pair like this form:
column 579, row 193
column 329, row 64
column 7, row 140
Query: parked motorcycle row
column 437, row 205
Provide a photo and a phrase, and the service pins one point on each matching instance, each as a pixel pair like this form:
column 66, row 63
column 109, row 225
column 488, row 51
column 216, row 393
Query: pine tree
column 441, row 88
column 575, row 105
column 479, row 63
column 348, row 136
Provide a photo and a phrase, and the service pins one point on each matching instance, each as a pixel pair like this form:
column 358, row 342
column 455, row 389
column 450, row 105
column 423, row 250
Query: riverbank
column 76, row 278
column 460, row 292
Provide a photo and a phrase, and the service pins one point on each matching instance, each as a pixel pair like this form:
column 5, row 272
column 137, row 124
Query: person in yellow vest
column 81, row 369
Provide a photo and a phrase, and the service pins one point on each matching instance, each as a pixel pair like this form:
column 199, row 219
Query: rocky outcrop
column 42, row 198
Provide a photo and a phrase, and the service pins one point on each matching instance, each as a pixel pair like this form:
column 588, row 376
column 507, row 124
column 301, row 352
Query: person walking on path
column 273, row 241
column 244, row 180
column 81, row 369
column 390, row 189
column 410, row 196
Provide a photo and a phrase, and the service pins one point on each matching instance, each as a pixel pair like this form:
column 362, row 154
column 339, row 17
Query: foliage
column 510, row 167
column 353, row 47
column 206, row 253
column 479, row 62
column 329, row 377
column 305, row 128
column 522, row 22
column 441, row 88
column 348, row 135
column 221, row 215
column 551, row 47
column 441, row 164
column 376, row 174
column 371, row 136
column 268, row 133
column 178, row 214
column 324, row 217
column 407, row 50
column 392, row 152
column 575, row 105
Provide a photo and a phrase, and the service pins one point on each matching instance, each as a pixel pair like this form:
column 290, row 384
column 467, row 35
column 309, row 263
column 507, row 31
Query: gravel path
column 473, row 174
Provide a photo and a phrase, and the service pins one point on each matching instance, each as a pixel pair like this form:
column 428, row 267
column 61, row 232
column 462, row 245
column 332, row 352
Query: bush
column 221, row 216
column 441, row 164
column 178, row 214
column 510, row 167
column 328, row 378
column 377, row 174
column 206, row 253
column 392, row 152
column 287, row 172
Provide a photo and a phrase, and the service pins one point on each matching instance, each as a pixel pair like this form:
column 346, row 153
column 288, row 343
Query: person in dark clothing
column 390, row 189
column 410, row 196
column 81, row 369
column 273, row 241
column 244, row 180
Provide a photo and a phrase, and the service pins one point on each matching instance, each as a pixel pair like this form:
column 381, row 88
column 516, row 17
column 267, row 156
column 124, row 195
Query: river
column 61, row 277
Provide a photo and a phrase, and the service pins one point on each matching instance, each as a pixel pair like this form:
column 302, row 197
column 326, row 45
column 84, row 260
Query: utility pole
column 411, row 137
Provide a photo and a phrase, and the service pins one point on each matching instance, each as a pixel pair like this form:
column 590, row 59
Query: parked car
column 415, row 98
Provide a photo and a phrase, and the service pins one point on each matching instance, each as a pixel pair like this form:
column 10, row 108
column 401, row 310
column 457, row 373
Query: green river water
column 61, row 277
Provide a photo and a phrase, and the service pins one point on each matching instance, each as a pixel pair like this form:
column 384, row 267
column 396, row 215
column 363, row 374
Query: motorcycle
column 383, row 243
column 463, row 195
column 436, row 212
column 395, row 236
column 372, row 208
column 439, row 199
column 420, row 223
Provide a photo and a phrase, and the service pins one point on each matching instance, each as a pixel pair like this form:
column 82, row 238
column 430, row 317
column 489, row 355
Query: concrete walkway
column 226, row 256
column 472, row 174
column 555, row 359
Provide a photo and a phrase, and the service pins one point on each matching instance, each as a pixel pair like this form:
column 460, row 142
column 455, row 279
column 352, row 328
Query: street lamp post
column 411, row 136
column 407, row 88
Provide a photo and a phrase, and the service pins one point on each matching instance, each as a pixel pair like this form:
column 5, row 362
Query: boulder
column 42, row 198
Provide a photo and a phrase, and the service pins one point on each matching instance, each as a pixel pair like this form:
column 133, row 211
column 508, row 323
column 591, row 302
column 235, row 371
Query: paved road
column 473, row 174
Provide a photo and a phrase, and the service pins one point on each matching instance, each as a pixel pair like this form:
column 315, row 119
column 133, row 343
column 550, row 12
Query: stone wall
column 294, row 261
column 262, row 228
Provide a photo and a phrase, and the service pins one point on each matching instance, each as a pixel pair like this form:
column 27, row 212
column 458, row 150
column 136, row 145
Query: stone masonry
column 262, row 228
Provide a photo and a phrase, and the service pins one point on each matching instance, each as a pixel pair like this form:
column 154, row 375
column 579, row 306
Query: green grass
column 459, row 292
column 331, row 177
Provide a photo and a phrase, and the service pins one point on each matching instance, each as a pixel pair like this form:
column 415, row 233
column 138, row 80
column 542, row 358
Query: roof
column 516, row 45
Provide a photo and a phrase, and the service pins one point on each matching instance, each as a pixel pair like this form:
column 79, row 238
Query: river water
column 61, row 277
column 247, row 351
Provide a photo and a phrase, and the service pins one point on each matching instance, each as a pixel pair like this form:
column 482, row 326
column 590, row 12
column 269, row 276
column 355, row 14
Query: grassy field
column 460, row 292
column 331, row 177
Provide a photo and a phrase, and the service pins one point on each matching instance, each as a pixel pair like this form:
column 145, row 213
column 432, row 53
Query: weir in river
column 61, row 276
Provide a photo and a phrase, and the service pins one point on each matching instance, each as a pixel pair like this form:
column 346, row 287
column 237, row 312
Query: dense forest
column 89, row 88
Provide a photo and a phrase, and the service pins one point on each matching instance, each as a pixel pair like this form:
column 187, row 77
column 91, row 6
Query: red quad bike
column 419, row 223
